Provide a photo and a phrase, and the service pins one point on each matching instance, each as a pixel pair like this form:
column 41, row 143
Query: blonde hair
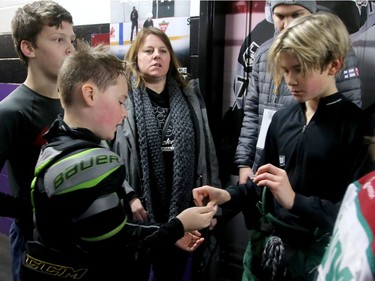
column 94, row 64
column 316, row 40
column 131, row 56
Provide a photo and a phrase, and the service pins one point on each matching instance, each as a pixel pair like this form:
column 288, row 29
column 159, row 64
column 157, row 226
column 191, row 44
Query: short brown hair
column 30, row 19
column 95, row 64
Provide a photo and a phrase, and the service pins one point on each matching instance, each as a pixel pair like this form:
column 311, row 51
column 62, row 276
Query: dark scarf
column 152, row 163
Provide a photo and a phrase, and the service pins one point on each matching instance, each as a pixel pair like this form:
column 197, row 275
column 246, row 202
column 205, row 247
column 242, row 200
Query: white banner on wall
column 177, row 29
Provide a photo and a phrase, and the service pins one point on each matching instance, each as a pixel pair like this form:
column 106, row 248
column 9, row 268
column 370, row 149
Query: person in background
column 265, row 95
column 43, row 37
column 148, row 22
column 80, row 215
column 167, row 140
column 134, row 21
column 312, row 150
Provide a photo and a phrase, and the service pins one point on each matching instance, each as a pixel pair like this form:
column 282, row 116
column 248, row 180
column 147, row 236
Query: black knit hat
column 309, row 5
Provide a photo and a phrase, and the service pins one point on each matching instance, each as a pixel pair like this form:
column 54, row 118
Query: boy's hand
column 191, row 241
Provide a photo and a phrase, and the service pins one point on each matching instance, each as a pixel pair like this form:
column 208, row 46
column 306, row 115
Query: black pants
column 169, row 263
column 134, row 24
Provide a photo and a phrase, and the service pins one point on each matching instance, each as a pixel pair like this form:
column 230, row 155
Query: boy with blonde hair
column 311, row 152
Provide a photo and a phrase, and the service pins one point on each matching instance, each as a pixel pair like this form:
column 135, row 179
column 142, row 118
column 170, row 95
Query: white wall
column 83, row 11
column 88, row 11
column 95, row 12
column 7, row 11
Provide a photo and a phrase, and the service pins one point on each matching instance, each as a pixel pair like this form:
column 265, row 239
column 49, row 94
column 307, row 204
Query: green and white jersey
column 350, row 254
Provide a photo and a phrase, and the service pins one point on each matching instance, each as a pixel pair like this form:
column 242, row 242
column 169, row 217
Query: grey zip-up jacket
column 126, row 144
column 261, row 92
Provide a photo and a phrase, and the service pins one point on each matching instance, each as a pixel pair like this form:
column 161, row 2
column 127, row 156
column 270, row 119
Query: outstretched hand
column 190, row 242
column 195, row 218
column 211, row 195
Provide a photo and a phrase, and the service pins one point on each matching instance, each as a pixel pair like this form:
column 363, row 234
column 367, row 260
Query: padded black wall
column 211, row 60
column 11, row 68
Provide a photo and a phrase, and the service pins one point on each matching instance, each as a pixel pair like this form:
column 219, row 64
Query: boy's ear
column 27, row 49
column 88, row 94
column 336, row 66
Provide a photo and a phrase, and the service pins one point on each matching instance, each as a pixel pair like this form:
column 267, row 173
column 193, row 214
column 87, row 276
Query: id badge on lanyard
column 269, row 110
column 266, row 120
